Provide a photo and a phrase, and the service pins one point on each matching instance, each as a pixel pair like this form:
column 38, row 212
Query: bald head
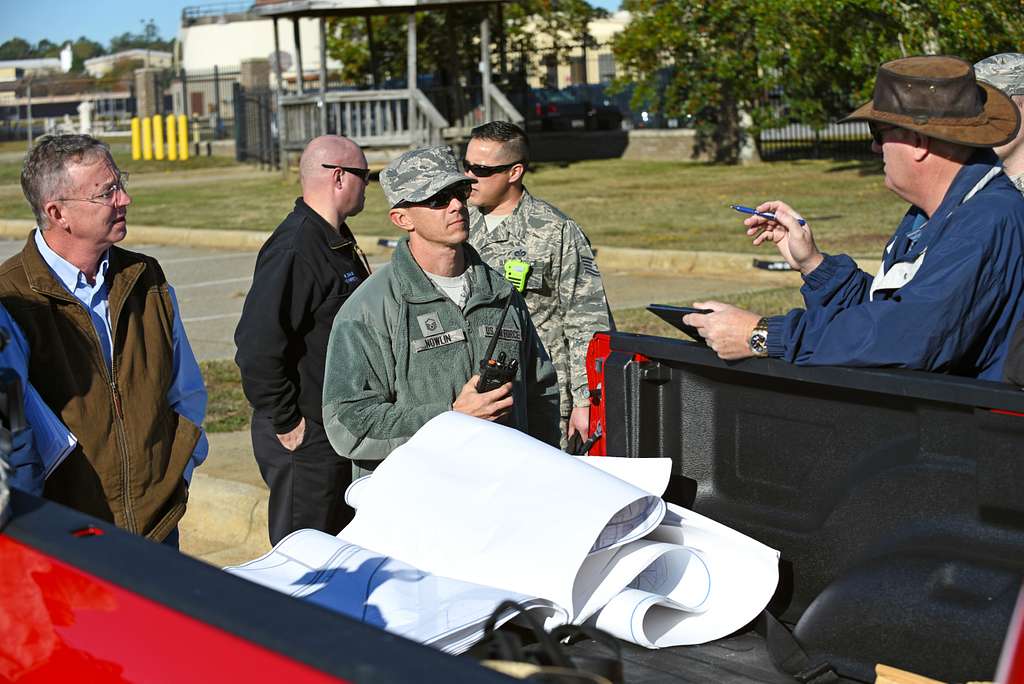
column 328, row 149
column 333, row 193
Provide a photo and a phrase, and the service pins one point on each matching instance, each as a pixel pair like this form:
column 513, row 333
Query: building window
column 577, row 69
column 606, row 67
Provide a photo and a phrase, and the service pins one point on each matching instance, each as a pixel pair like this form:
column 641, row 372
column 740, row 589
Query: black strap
column 789, row 657
column 546, row 651
column 606, row 666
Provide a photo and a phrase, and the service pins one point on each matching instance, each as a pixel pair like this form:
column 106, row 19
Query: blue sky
column 100, row 20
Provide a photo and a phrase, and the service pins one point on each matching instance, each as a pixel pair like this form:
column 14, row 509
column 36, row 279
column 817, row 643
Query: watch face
column 759, row 342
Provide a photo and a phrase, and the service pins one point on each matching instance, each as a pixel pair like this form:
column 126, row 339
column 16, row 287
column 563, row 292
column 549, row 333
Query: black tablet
column 673, row 315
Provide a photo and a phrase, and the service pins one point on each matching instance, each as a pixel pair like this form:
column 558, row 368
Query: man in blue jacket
column 951, row 284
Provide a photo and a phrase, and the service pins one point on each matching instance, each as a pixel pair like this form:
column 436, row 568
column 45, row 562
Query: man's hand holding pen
column 790, row 233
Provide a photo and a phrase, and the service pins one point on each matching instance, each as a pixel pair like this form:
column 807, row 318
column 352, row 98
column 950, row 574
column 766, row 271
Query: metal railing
column 798, row 141
column 370, row 117
column 192, row 12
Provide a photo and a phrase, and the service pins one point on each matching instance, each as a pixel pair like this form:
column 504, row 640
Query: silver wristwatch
column 759, row 339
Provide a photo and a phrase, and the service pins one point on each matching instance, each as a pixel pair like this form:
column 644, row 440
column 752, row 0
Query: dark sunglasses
column 364, row 174
column 481, row 171
column 442, row 199
column 878, row 131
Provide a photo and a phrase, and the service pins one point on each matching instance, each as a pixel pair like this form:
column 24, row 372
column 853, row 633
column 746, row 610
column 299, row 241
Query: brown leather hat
column 939, row 97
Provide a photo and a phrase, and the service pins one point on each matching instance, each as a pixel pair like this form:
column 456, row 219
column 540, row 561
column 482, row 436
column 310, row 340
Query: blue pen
column 763, row 214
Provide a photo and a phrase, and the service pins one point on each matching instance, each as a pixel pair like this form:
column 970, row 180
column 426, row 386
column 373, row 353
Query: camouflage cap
column 421, row 174
column 1004, row 71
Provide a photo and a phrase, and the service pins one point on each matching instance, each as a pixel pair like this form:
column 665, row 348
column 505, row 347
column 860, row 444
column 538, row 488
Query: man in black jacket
column 304, row 273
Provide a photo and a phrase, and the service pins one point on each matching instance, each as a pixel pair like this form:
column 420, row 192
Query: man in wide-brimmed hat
column 951, row 284
column 1006, row 72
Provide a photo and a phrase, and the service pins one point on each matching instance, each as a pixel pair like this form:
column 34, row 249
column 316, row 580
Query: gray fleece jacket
column 400, row 352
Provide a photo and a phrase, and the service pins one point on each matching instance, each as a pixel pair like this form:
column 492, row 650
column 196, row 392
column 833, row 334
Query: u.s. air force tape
column 513, row 334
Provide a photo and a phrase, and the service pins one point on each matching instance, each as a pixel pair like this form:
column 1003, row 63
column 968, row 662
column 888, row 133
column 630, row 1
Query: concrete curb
column 226, row 521
column 609, row 258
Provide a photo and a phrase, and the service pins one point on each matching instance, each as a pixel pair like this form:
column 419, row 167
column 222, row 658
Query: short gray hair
column 45, row 177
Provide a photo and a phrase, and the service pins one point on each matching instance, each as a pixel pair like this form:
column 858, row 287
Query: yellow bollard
column 182, row 137
column 158, row 137
column 147, row 139
column 136, row 139
column 172, row 139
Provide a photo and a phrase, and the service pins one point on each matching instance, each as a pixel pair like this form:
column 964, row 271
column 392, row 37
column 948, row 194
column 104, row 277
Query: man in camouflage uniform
column 564, row 291
column 407, row 345
column 1006, row 72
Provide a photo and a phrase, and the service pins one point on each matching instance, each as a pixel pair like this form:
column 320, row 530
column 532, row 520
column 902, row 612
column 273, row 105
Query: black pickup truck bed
column 895, row 497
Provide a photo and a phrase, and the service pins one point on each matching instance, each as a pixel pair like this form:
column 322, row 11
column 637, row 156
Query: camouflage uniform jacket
column 400, row 352
column 564, row 291
column 1018, row 181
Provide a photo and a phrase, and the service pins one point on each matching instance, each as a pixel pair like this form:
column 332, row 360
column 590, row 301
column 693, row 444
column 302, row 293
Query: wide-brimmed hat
column 938, row 96
column 420, row 174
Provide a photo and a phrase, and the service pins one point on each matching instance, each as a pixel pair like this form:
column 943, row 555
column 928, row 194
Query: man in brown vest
column 109, row 354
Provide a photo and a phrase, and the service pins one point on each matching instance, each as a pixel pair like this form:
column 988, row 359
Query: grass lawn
column 621, row 203
column 766, row 302
column 226, row 410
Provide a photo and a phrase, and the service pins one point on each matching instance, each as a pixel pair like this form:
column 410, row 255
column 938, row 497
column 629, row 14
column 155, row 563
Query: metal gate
column 256, row 127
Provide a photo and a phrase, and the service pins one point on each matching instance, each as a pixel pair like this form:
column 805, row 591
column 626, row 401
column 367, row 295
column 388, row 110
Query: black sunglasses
column 364, row 174
column 442, row 199
column 481, row 171
column 878, row 131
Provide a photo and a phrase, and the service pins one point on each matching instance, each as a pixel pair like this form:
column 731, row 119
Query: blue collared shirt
column 37, row 450
column 187, row 394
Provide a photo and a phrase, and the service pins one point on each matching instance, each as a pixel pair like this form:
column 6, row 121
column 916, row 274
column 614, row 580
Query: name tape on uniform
column 440, row 340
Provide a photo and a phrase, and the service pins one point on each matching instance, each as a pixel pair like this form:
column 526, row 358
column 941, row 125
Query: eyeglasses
column 878, row 131
column 107, row 196
column 482, row 171
column 364, row 174
column 442, row 199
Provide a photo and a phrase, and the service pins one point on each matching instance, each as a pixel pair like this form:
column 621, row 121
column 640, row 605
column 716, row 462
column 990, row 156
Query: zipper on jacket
column 122, row 440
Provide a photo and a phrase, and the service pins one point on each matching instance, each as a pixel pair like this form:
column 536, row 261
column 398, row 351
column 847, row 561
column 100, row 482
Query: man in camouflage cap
column 1006, row 72
column 563, row 287
column 407, row 345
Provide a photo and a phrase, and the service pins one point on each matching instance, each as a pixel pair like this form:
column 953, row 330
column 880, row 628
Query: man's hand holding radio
column 487, row 405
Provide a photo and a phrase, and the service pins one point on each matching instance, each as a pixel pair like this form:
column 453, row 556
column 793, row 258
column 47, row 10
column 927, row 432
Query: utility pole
column 28, row 112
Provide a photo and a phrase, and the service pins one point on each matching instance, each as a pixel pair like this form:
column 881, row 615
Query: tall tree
column 83, row 49
column 808, row 61
column 448, row 41
column 16, row 48
column 149, row 39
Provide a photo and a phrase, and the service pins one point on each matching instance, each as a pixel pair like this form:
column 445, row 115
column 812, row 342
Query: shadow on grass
column 864, row 167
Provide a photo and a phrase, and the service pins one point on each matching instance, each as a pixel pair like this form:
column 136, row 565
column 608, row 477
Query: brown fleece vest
column 132, row 446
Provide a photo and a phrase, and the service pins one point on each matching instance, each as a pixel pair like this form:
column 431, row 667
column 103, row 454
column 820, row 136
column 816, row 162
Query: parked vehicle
column 893, row 496
column 554, row 110
column 604, row 112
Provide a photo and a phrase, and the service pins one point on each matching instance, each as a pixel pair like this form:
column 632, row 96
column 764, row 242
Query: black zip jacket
column 304, row 273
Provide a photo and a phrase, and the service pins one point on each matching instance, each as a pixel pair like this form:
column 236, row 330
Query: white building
column 104, row 64
column 225, row 41
column 30, row 67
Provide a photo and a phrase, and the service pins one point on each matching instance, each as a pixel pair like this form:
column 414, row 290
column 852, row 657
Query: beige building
column 29, row 67
column 97, row 67
column 594, row 65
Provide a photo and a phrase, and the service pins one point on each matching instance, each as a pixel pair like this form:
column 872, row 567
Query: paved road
column 211, row 286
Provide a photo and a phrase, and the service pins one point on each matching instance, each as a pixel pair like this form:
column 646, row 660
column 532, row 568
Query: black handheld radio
column 495, row 372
